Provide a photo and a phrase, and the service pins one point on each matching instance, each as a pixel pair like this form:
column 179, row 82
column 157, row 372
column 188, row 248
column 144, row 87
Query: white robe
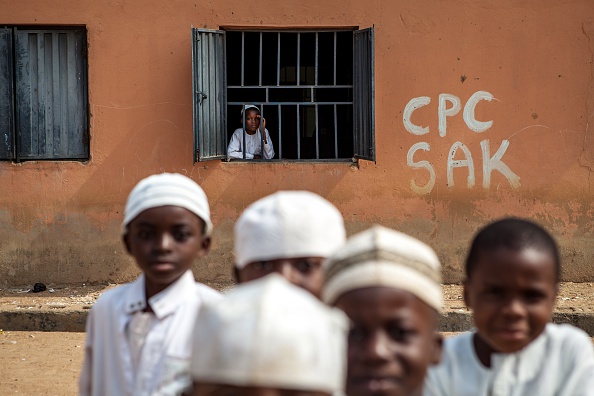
column 253, row 144
column 560, row 362
column 162, row 366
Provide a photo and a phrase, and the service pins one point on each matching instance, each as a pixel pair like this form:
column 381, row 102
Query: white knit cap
column 270, row 333
column 246, row 107
column 288, row 224
column 167, row 189
column 383, row 257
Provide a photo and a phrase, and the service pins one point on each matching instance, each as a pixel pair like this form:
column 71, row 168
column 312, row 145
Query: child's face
column 252, row 121
column 392, row 342
column 512, row 294
column 305, row 272
column 210, row 389
column 164, row 242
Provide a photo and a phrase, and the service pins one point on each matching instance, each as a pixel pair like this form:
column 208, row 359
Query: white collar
column 522, row 363
column 163, row 303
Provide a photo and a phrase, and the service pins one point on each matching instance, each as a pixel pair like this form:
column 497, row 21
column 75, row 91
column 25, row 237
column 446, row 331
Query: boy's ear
column 236, row 274
column 205, row 248
column 125, row 239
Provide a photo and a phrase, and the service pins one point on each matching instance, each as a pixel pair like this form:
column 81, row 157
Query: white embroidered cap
column 383, row 257
column 246, row 107
column 270, row 333
column 166, row 189
column 288, row 224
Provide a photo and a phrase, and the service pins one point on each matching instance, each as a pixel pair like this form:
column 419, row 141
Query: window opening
column 302, row 83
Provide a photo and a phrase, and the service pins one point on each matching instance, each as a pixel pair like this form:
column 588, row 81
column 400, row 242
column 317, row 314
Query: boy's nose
column 285, row 268
column 514, row 308
column 165, row 242
column 377, row 348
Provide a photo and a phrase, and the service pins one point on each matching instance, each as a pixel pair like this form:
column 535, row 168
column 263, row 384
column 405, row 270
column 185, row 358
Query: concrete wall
column 59, row 221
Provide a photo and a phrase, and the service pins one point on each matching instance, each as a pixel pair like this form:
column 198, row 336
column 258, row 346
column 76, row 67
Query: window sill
column 351, row 161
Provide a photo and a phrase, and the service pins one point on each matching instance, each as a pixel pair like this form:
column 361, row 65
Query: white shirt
column 559, row 362
column 253, row 144
column 164, row 358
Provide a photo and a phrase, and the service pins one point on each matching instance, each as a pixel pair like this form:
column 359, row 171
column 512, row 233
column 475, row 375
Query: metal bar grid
column 298, row 104
column 292, row 87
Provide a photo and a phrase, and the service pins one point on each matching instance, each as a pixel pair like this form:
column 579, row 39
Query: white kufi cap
column 269, row 333
column 383, row 257
column 288, row 224
column 167, row 189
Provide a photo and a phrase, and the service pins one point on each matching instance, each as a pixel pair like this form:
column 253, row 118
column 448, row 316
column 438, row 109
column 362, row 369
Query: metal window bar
column 335, row 132
column 334, row 58
column 278, row 56
column 298, row 134
column 260, row 63
column 243, row 148
column 261, row 118
column 317, row 136
column 316, row 64
column 298, row 71
column 242, row 56
column 280, row 133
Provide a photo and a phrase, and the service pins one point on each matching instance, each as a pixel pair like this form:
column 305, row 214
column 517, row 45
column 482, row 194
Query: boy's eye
column 181, row 235
column 493, row 292
column 145, row 234
column 534, row 295
column 400, row 333
column 304, row 266
column 263, row 266
column 356, row 334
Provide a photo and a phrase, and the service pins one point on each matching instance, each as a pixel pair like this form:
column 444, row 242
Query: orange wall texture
column 59, row 221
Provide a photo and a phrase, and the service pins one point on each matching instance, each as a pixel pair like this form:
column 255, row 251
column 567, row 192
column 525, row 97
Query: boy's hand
column 262, row 127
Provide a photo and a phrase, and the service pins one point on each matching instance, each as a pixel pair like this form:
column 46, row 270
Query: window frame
column 48, row 107
column 363, row 124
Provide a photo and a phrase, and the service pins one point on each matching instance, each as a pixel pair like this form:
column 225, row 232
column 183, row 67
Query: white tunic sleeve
column 234, row 148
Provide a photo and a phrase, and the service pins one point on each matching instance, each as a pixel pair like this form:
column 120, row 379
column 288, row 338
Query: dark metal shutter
column 6, row 97
column 210, row 102
column 51, row 94
column 363, row 94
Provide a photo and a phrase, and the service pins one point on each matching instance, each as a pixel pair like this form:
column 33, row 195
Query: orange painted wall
column 59, row 222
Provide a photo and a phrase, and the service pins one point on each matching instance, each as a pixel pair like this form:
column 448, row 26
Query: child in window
column 255, row 125
column 139, row 334
column 290, row 233
column 512, row 279
column 388, row 284
column 269, row 338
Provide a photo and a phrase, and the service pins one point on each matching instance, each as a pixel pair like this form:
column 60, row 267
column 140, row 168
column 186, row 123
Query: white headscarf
column 270, row 333
column 167, row 189
column 288, row 224
column 384, row 257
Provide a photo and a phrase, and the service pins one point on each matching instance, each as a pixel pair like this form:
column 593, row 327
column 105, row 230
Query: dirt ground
column 48, row 363
column 38, row 363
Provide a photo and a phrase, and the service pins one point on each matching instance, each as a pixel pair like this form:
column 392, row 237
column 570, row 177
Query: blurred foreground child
column 139, row 334
column 388, row 284
column 269, row 338
column 291, row 233
column 512, row 280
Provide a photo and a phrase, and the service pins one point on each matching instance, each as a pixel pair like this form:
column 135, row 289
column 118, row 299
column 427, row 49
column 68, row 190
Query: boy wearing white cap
column 254, row 126
column 139, row 334
column 288, row 232
column 388, row 284
column 269, row 338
